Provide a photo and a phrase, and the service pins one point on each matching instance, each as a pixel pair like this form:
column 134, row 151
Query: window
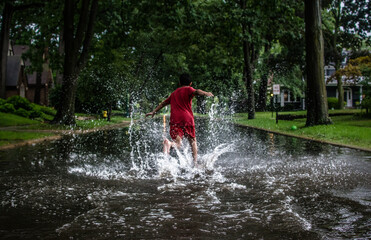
column 285, row 96
column 329, row 72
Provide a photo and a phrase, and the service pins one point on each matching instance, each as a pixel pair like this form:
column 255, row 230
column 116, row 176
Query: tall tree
column 8, row 10
column 346, row 26
column 78, row 39
column 317, row 109
column 283, row 30
column 335, row 48
column 247, row 49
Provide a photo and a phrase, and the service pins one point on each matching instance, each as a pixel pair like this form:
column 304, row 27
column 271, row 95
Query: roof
column 12, row 71
column 20, row 49
column 14, row 61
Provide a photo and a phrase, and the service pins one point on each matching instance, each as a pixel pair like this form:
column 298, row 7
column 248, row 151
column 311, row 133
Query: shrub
column 22, row 112
column 333, row 103
column 34, row 113
column 19, row 102
column 39, row 111
column 366, row 103
column 2, row 101
column 48, row 110
column 7, row 108
column 55, row 96
column 47, row 117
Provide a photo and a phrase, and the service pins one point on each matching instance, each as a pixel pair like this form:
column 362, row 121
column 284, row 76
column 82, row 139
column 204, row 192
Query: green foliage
column 55, row 96
column 366, row 103
column 100, row 88
column 351, row 130
column 140, row 48
column 8, row 119
column 292, row 80
column 19, row 102
column 36, row 111
column 22, row 112
column 9, row 137
column 47, row 110
column 333, row 103
column 7, row 108
column 39, row 28
column 22, row 107
column 339, row 20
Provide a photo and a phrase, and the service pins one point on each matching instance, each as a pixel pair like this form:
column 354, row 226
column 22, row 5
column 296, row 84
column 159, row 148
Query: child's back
column 181, row 106
column 181, row 115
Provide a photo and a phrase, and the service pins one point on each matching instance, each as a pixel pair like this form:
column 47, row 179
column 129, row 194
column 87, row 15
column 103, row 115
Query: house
column 352, row 92
column 16, row 81
column 287, row 100
column 22, row 84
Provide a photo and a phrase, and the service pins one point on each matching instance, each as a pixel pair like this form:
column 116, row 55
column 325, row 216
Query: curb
column 306, row 138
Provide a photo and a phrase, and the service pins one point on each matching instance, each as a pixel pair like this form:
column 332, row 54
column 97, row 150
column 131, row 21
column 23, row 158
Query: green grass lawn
column 11, row 137
column 17, row 128
column 7, row 119
column 352, row 130
column 88, row 124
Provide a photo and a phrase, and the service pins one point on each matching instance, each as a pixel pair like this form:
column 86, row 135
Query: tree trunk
column 247, row 70
column 59, row 75
column 109, row 113
column 4, row 44
column 262, row 101
column 337, row 55
column 339, row 86
column 317, row 110
column 4, row 38
column 76, row 55
column 37, row 88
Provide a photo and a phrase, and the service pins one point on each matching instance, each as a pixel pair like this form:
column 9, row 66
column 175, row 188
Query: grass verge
column 15, row 129
column 12, row 137
column 8, row 119
column 350, row 130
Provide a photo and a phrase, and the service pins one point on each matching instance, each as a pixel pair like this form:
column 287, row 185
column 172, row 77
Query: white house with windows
column 352, row 92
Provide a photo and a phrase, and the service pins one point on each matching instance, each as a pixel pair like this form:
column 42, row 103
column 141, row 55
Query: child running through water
column 181, row 116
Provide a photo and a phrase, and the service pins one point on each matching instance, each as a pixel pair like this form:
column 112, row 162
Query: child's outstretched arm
column 158, row 108
column 199, row 92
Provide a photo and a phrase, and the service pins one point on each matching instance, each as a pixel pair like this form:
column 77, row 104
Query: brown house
column 22, row 84
column 16, row 81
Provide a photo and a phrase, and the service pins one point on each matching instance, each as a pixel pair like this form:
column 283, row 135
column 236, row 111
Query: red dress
column 181, row 116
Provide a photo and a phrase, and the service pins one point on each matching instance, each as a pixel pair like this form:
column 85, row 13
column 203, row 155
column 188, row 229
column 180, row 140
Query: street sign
column 276, row 89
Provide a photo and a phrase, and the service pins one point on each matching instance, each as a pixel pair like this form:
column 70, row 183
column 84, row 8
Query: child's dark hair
column 185, row 79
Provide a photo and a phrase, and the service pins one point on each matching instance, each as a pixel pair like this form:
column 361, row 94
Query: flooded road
column 117, row 184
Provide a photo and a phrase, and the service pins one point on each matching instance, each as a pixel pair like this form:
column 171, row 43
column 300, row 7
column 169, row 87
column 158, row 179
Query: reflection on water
column 251, row 185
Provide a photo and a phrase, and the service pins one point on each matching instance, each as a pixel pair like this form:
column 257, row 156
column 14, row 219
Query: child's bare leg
column 193, row 143
column 178, row 142
column 167, row 145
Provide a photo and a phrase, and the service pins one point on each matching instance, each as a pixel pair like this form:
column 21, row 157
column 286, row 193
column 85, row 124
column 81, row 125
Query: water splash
column 145, row 137
column 249, row 185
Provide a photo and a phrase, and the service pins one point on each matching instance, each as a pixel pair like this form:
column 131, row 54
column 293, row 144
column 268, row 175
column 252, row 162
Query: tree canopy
column 136, row 50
